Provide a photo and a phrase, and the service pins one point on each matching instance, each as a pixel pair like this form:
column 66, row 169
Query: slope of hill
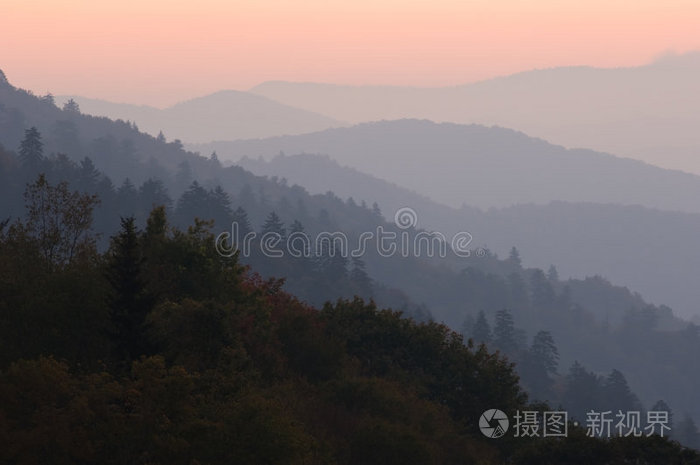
column 481, row 282
column 645, row 112
column 482, row 167
column 227, row 114
column 651, row 251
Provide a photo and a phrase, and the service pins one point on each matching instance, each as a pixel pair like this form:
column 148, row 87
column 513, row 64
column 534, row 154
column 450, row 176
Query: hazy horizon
column 185, row 96
column 238, row 45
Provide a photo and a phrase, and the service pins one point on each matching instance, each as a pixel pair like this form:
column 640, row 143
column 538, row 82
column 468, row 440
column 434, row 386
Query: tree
column 88, row 175
column 31, row 150
column 59, row 220
column 220, row 207
column 71, row 106
column 193, row 203
column 618, row 395
column 662, row 406
column 273, row 224
column 545, row 352
column 543, row 296
column 514, row 257
column 240, row 217
column 504, row 334
column 359, row 276
column 129, row 301
column 583, row 392
column 539, row 366
column 481, row 332
column 153, row 193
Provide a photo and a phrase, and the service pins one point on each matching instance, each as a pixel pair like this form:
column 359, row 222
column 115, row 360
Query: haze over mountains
column 651, row 251
column 647, row 112
column 592, row 321
column 226, row 114
column 480, row 166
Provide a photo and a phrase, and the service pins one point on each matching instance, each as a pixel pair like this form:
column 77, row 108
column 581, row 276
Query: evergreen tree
column 552, row 274
column 31, row 150
column 541, row 290
column 539, row 366
column 359, row 277
column 618, row 395
column 662, row 406
column 130, row 302
column 220, row 207
column 88, row 175
column 273, row 224
column 545, row 352
column 504, row 334
column 184, row 175
column 514, row 257
column 127, row 196
column 153, row 193
column 71, row 106
column 300, row 245
column 193, row 203
column 240, row 217
column 481, row 332
column 583, row 392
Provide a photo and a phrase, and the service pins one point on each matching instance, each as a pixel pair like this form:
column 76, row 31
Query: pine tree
column 220, row 206
column 662, row 406
column 514, row 257
column 153, row 193
column 240, row 217
column 618, row 395
column 129, row 302
column 504, row 335
column 481, row 332
column 71, row 106
column 545, row 352
column 583, row 392
column 541, row 290
column 31, row 150
column 359, row 276
column 273, row 224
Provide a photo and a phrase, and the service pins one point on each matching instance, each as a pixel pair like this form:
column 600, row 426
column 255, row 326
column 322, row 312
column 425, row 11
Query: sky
column 159, row 52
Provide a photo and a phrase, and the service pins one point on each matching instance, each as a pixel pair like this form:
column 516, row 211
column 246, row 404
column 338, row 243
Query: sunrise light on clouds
column 159, row 52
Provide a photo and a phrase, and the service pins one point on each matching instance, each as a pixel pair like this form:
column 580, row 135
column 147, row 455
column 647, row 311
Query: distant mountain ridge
column 646, row 112
column 583, row 239
column 225, row 114
column 481, row 166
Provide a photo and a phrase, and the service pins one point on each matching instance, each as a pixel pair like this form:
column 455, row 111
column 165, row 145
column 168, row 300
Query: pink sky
column 162, row 51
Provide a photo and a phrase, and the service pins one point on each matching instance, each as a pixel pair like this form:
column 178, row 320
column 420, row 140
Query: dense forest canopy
column 126, row 336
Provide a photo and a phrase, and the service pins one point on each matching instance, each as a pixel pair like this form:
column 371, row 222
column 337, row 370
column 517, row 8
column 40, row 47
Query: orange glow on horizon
column 159, row 52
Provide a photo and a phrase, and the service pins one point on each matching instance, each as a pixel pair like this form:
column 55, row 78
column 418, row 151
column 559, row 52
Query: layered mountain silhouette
column 227, row 114
column 482, row 166
column 646, row 112
column 646, row 249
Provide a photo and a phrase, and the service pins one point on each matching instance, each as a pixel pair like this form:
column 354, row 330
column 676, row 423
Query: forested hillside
column 160, row 350
column 643, row 345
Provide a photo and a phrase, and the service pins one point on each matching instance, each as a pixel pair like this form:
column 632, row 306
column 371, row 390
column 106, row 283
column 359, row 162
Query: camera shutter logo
column 493, row 423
